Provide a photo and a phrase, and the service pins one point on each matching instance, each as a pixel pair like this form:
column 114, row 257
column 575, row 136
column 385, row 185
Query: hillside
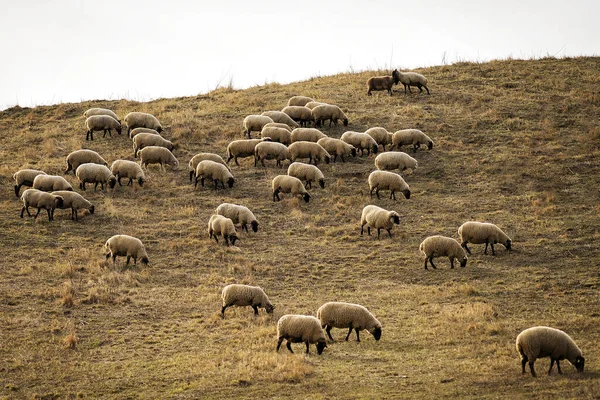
column 517, row 143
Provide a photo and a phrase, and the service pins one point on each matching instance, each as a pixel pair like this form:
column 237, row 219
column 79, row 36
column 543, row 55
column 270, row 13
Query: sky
column 74, row 50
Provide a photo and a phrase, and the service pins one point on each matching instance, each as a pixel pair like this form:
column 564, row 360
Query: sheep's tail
column 421, row 248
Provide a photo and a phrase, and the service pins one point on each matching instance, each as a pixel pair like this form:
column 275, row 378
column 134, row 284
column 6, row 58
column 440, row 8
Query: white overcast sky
column 73, row 50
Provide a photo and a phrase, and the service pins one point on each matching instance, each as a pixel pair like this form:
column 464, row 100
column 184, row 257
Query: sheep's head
column 430, row 145
column 376, row 333
column 375, row 148
column 395, row 218
column 174, row 163
column 141, row 181
column 230, row 182
column 406, row 193
column 508, row 244
column 119, row 130
column 159, row 129
column 269, row 308
column 144, row 260
column 322, row 183
column 396, row 76
column 59, row 201
column 254, row 225
column 232, row 238
column 112, row 181
column 306, row 197
column 327, row 159
column 91, row 209
column 353, row 151
column 345, row 121
column 321, row 346
column 579, row 363
column 463, row 262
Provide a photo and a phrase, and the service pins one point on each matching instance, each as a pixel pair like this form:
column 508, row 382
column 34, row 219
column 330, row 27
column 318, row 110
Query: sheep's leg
column 378, row 233
column 452, row 262
column 426, row 262
column 278, row 341
column 390, row 233
column 36, row 215
column 464, row 245
column 245, row 227
column 328, row 330
column 226, row 240
column 431, row 261
column 49, row 214
column 255, row 308
column 262, row 161
column 96, row 186
column 335, row 156
column 216, row 184
column 523, row 362
column 558, row 366
column 128, row 259
column 73, row 211
column 362, row 227
column 415, row 147
column 532, row 369
column 426, row 88
column 130, row 183
column 369, row 230
column 493, row 252
column 202, row 181
column 377, row 193
column 420, row 89
column 196, row 182
column 276, row 195
column 107, row 255
column 82, row 185
column 486, row 246
column 236, row 161
column 349, row 332
column 114, row 257
column 223, row 316
column 357, row 335
column 404, row 87
column 289, row 346
column 409, row 88
column 551, row 365
column 307, row 347
column 308, row 184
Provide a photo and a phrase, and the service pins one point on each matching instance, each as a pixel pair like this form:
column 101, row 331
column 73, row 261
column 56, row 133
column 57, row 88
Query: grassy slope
column 517, row 143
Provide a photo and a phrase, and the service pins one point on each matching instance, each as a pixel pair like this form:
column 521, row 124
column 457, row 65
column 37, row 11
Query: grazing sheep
column 271, row 151
column 543, row 341
column 289, row 184
column 255, row 123
column 442, row 246
column 100, row 111
column 383, row 82
column 205, row 156
column 219, row 225
column 307, row 173
column 208, row 169
column 313, row 151
column 78, row 157
column 241, row 149
column 337, row 314
column 39, row 199
column 281, row 117
column 278, row 125
column 276, row 134
column 101, row 123
column 384, row 180
column 244, row 295
column 412, row 137
column 51, row 183
column 337, row 147
column 128, row 169
column 307, row 135
column 126, row 246
column 361, row 141
column 409, row 79
column 96, row 174
column 300, row 114
column 158, row 155
column 136, row 131
column 313, row 104
column 142, row 120
column 150, row 139
column 300, row 329
column 25, row 177
column 75, row 202
column 329, row 112
column 299, row 100
column 378, row 218
column 391, row 160
column 239, row 215
column 482, row 232
column 380, row 135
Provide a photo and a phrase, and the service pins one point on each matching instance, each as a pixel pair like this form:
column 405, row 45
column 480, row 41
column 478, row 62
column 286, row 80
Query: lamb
column 255, row 123
column 307, row 135
column 411, row 136
column 337, row 147
column 281, row 117
column 361, row 141
column 142, row 140
column 379, row 218
column 313, row 104
column 40, row 199
column 126, row 246
column 245, row 295
column 307, row 173
column 442, row 246
column 78, row 157
column 204, row 156
column 313, row 151
column 208, row 169
column 329, row 112
column 75, row 202
column 482, row 232
column 136, row 131
column 157, row 155
column 219, row 225
column 337, row 314
column 128, row 169
column 300, row 329
column 380, row 135
column 101, row 123
column 271, row 151
column 299, row 100
column 391, row 160
column 142, row 120
column 409, row 79
column 383, row 82
column 25, row 177
column 50, row 183
column 96, row 174
column 300, row 114
column 276, row 134
column 100, row 111
column 384, row 180
column 278, row 125
column 238, row 215
column 241, row 149
column 289, row 184
column 543, row 341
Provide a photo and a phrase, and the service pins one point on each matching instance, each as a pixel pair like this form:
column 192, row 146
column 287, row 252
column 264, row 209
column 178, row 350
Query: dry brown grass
column 517, row 143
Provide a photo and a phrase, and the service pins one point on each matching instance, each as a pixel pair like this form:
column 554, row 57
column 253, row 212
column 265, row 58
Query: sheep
column 208, row 169
column 299, row 100
column 300, row 114
column 300, row 329
column 442, row 246
column 78, row 157
column 391, row 160
column 241, row 149
column 245, row 295
column 482, row 232
column 313, row 151
column 313, row 104
column 136, row 131
column 126, row 246
column 379, row 218
column 307, row 173
column 384, row 180
column 271, row 151
column 409, row 79
column 157, row 155
column 238, row 215
column 128, row 169
column 50, row 183
column 142, row 120
column 411, row 136
column 337, row 147
column 219, row 225
column 281, row 117
column 361, row 141
column 101, row 123
column 75, row 202
column 193, row 163
column 25, row 177
column 383, row 82
column 100, row 111
column 40, row 199
column 329, row 112
column 276, row 134
column 380, row 135
column 142, row 140
column 289, row 184
column 337, row 314
column 543, row 341
column 307, row 135
column 278, row 125
column 256, row 123
column 96, row 174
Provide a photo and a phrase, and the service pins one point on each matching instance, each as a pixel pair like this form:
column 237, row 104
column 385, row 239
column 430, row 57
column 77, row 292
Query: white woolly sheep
column 307, row 135
column 25, row 177
column 313, row 151
column 238, row 215
column 96, row 174
column 392, row 160
column 378, row 218
column 299, row 100
column 361, row 141
column 300, row 329
column 100, row 111
column 543, row 341
column 193, row 163
column 276, row 134
column 142, row 120
column 255, row 123
column 245, row 295
column 313, row 104
column 289, row 184
column 329, row 112
column 75, row 202
column 51, row 183
column 78, row 157
column 101, row 123
column 39, row 199
column 278, row 125
column 158, row 155
column 482, row 232
column 409, row 79
column 385, row 82
column 281, row 117
column 137, row 131
column 337, row 147
column 271, row 151
column 384, row 180
column 142, row 140
column 126, row 246
column 242, row 148
column 380, row 135
column 412, row 137
column 219, row 225
column 442, row 246
column 306, row 173
column 337, row 314
column 300, row 114
column 128, row 169
column 217, row 172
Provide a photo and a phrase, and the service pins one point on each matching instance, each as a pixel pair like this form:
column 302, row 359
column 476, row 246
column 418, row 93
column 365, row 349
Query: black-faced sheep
column 392, row 160
column 482, row 232
column 300, row 114
column 51, row 183
column 361, row 141
column 337, row 147
column 412, row 137
column 128, row 169
column 245, row 295
column 126, row 246
column 313, row 151
column 289, row 184
column 378, row 218
column 241, row 149
column 96, row 174
column 25, row 177
column 300, row 329
column 337, row 314
column 238, row 215
column 75, row 202
column 442, row 246
column 195, row 160
column 380, row 135
column 157, row 155
column 78, row 157
column 281, row 117
column 255, row 123
column 409, row 79
column 307, row 173
column 39, row 199
column 217, row 172
column 103, row 123
column 142, row 120
column 384, row 180
column 145, row 139
column 280, row 135
column 329, row 112
column 271, row 151
column 219, row 225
